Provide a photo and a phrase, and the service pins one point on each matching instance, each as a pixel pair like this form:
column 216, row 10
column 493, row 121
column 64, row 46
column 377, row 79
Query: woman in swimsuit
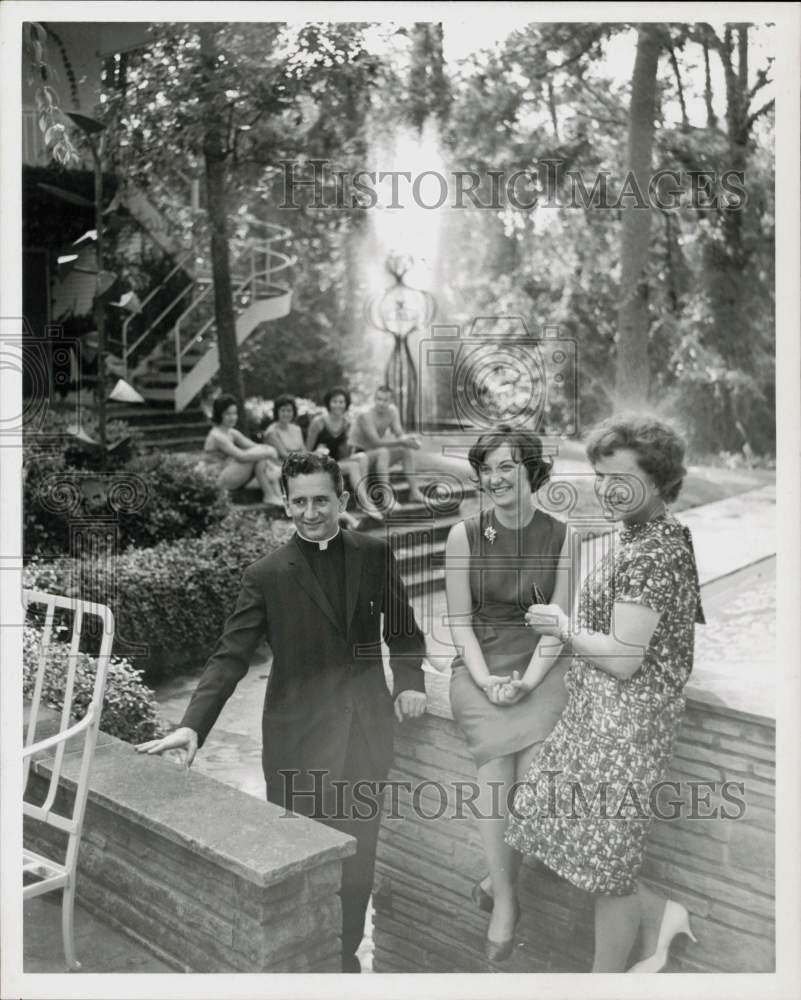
column 284, row 434
column 329, row 431
column 238, row 459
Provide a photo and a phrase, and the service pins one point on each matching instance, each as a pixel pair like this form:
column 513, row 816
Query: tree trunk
column 100, row 302
column 631, row 373
column 726, row 261
column 428, row 84
column 215, row 154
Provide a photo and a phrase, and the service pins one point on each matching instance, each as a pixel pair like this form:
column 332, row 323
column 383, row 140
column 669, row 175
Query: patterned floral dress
column 584, row 809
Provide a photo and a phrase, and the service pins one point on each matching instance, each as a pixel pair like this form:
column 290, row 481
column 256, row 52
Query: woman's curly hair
column 660, row 450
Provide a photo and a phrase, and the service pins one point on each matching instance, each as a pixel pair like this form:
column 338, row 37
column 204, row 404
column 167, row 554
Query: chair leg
column 68, row 925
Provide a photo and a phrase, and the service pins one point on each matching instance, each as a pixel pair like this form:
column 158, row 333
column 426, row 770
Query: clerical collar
column 321, row 545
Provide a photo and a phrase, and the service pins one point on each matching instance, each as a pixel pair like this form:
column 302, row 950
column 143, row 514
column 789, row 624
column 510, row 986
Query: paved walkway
column 728, row 535
column 98, row 946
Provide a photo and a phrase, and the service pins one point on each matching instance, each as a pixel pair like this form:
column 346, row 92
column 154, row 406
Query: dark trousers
column 339, row 811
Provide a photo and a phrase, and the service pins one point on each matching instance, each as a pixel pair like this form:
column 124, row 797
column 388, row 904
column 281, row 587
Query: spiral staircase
column 168, row 346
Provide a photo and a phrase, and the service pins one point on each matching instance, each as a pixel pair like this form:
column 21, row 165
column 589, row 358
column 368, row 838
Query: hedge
column 129, row 710
column 174, row 597
column 152, row 499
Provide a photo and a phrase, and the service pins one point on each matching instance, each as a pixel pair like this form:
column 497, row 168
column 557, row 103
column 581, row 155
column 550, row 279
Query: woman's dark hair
column 306, row 463
column 285, row 400
column 659, row 448
column 219, row 406
column 338, row 390
column 526, row 449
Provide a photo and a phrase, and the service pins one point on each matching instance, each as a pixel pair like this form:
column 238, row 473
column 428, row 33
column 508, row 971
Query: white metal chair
column 49, row 873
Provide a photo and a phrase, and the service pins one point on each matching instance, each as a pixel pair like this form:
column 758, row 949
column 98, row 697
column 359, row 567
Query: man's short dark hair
column 219, row 406
column 307, row 463
column 525, row 447
column 385, row 388
column 659, row 448
column 338, row 390
column 285, row 400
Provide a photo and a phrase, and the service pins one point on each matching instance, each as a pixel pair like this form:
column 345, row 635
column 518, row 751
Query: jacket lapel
column 354, row 558
column 308, row 581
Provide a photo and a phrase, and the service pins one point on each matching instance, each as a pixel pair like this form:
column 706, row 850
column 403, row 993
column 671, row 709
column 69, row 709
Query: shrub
column 175, row 597
column 152, row 499
column 183, row 501
column 50, row 435
column 129, row 710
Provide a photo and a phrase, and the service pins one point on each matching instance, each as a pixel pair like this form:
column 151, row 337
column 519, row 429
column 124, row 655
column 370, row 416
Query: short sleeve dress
column 504, row 563
column 585, row 807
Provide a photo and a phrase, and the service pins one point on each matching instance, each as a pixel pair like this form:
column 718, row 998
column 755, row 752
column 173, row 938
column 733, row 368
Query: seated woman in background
column 284, row 434
column 329, row 431
column 238, row 459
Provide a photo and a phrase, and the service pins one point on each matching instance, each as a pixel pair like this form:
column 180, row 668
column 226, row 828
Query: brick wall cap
column 252, row 838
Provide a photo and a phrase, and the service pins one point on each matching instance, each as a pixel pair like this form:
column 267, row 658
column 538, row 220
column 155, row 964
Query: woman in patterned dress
column 492, row 561
column 584, row 809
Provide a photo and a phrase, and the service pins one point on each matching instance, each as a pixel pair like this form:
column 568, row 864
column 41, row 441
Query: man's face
column 383, row 401
column 314, row 506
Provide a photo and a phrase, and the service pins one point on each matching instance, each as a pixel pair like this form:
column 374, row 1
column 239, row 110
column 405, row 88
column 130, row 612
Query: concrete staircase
column 417, row 532
column 161, row 427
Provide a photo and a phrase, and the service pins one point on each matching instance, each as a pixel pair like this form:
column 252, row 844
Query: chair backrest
column 88, row 724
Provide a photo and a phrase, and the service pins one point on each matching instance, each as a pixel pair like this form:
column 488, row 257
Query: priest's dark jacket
column 326, row 671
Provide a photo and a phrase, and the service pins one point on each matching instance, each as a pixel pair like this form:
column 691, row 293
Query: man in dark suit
column 318, row 600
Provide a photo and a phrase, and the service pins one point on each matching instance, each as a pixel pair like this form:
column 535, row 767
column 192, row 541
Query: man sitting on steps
column 378, row 432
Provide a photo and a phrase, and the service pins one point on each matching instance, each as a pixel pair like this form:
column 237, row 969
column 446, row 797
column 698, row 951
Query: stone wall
column 208, row 878
column 721, row 869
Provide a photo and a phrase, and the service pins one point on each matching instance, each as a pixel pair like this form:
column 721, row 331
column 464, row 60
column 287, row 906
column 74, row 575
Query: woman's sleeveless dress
column 504, row 563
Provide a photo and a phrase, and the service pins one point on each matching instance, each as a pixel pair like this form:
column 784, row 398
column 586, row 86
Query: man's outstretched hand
column 409, row 705
column 183, row 741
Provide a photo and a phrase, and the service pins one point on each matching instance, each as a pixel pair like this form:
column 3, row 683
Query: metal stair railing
column 257, row 284
column 129, row 349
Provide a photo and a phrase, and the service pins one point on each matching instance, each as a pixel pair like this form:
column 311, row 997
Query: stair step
column 174, row 430
column 177, row 444
column 424, row 580
column 143, row 416
column 157, row 394
column 158, row 378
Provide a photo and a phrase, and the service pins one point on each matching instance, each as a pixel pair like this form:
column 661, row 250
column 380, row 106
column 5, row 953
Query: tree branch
column 685, row 122
column 600, row 98
column 602, row 121
column 762, row 80
column 711, row 117
column 767, row 106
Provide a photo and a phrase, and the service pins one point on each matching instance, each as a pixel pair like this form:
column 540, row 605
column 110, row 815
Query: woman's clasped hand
column 506, row 690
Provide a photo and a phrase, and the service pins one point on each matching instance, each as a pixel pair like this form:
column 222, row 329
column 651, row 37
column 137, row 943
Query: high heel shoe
column 675, row 920
column 499, row 951
column 481, row 897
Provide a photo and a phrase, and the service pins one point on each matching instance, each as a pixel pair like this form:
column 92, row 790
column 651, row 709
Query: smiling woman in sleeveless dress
column 493, row 560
